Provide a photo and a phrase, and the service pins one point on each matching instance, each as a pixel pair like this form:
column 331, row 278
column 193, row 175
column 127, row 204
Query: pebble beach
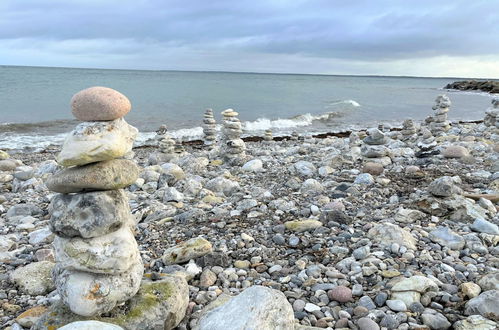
column 377, row 229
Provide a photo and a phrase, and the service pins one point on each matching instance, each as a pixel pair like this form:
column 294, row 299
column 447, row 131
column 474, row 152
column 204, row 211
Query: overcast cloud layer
column 398, row 37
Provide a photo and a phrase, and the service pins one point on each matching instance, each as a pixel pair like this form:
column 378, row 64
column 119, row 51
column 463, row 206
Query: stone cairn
column 492, row 115
column 267, row 137
column 374, row 146
column 209, row 128
column 233, row 147
column 166, row 143
column 98, row 264
column 409, row 132
column 426, row 143
column 439, row 123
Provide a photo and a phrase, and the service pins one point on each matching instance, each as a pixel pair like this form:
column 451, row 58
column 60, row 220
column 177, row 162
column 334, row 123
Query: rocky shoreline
column 377, row 229
column 488, row 86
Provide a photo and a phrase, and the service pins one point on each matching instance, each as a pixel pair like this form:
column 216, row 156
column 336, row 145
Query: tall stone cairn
column 492, row 114
column 267, row 137
column 209, row 128
column 233, row 147
column 98, row 264
column 439, row 123
column 409, row 132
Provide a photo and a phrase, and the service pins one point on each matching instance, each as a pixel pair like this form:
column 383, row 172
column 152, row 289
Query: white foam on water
column 349, row 102
column 34, row 142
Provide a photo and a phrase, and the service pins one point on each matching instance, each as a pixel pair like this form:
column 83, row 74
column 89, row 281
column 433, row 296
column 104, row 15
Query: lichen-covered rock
column 475, row 322
column 191, row 249
column 89, row 214
column 92, row 142
column 106, row 175
column 302, row 225
column 99, row 103
column 35, row 278
column 489, row 281
column 257, row 307
column 445, row 187
column 91, row 294
column 157, row 305
column 113, row 253
column 388, row 233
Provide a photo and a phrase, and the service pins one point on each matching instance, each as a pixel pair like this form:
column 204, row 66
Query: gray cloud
column 368, row 31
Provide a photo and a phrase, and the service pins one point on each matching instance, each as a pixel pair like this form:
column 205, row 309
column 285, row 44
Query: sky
column 444, row 38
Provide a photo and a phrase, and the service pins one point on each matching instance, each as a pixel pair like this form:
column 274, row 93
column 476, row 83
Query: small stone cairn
column 233, row 147
column 267, row 137
column 439, row 123
column 166, row 143
column 409, row 132
column 492, row 115
column 98, row 265
column 209, row 128
column 374, row 146
column 426, row 143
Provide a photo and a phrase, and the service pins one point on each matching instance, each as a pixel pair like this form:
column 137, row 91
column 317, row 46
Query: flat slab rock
column 157, row 305
column 106, row 175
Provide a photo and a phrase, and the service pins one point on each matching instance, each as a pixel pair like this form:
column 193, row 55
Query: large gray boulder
column 89, row 214
column 256, row 308
column 107, row 175
column 485, row 305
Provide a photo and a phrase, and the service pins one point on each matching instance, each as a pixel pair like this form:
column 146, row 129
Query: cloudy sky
column 389, row 37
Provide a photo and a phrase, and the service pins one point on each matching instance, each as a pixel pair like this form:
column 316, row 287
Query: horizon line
column 249, row 72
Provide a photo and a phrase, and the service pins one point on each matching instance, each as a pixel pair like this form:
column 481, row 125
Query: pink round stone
column 340, row 294
column 99, row 104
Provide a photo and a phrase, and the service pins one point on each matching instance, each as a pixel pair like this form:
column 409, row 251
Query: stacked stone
column 233, row 147
column 409, row 132
column 374, row 147
column 179, row 148
column 439, row 123
column 492, row 114
column 267, row 137
column 98, row 264
column 166, row 143
column 295, row 136
column 209, row 127
column 426, row 144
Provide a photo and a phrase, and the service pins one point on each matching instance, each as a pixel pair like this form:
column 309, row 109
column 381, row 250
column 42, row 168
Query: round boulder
column 99, row 104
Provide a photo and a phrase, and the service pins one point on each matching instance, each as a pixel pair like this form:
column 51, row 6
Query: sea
column 35, row 110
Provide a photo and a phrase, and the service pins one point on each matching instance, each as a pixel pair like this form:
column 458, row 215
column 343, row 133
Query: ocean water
column 35, row 110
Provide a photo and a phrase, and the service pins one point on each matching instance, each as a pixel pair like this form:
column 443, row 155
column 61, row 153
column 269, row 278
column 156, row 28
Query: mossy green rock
column 302, row 225
column 107, row 175
column 158, row 305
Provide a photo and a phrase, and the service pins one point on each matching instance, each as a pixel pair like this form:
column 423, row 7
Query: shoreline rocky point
column 379, row 230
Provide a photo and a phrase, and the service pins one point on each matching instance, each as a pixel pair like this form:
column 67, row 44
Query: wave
column 353, row 103
column 298, row 121
column 56, row 125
